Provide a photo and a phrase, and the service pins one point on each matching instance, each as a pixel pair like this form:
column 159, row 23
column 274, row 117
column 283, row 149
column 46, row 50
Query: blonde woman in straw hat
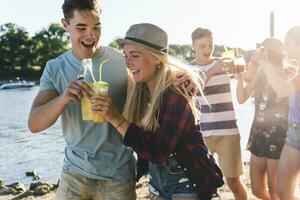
column 160, row 120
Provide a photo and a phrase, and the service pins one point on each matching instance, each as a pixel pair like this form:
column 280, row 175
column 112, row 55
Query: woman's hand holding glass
column 104, row 106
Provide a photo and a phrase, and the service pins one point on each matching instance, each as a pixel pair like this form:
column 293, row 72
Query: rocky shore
column 17, row 190
column 46, row 191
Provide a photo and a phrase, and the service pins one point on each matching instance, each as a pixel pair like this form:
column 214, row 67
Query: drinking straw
column 100, row 68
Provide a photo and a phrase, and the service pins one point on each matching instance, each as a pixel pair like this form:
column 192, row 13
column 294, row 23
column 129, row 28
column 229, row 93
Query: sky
column 235, row 23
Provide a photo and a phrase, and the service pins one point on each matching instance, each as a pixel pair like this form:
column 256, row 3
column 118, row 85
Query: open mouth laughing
column 134, row 71
column 88, row 44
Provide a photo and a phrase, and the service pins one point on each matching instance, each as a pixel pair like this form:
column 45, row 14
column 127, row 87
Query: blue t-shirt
column 294, row 114
column 94, row 150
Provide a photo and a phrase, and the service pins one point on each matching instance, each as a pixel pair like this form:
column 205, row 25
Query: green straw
column 100, row 68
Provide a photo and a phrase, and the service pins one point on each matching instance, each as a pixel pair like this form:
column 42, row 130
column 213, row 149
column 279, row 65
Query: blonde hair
column 143, row 111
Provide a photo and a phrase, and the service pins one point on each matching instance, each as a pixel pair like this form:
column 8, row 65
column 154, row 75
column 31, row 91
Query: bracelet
column 123, row 120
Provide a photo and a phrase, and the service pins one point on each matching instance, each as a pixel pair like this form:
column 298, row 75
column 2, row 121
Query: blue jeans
column 73, row 186
column 169, row 181
column 293, row 136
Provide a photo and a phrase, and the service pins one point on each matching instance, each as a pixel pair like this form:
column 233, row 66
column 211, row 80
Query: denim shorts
column 73, row 186
column 168, row 181
column 293, row 136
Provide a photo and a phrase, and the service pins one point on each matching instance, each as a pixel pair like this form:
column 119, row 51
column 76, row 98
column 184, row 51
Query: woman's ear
column 157, row 61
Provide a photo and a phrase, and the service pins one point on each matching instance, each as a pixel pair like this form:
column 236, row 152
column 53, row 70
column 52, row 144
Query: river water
column 22, row 151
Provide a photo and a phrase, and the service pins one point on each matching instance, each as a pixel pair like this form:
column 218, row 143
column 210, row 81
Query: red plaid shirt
column 178, row 135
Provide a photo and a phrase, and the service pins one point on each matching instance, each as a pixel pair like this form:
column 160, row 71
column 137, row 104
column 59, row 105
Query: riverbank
column 143, row 194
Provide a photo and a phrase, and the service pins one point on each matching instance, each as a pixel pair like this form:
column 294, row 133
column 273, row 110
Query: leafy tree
column 23, row 56
column 49, row 43
column 14, row 51
column 114, row 45
column 183, row 52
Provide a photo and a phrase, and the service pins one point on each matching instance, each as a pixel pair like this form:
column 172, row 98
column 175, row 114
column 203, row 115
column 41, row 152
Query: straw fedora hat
column 148, row 36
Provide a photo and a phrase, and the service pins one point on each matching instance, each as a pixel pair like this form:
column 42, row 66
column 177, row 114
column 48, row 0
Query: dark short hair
column 200, row 33
column 69, row 6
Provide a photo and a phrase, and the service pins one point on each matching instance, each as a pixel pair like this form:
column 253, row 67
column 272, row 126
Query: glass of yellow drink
column 100, row 87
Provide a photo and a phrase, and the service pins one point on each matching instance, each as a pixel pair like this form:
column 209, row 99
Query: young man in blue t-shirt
column 96, row 164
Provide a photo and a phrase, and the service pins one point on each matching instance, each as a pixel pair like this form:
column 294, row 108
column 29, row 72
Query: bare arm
column 48, row 105
column 251, row 71
column 217, row 68
column 281, row 87
column 46, row 108
column 243, row 93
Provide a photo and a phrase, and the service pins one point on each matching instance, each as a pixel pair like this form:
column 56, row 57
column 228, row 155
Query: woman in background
column 269, row 127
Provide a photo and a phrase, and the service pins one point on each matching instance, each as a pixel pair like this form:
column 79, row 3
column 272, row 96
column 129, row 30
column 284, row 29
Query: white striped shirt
column 218, row 118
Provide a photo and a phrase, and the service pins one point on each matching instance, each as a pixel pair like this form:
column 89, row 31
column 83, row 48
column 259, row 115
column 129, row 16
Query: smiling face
column 85, row 31
column 203, row 48
column 141, row 64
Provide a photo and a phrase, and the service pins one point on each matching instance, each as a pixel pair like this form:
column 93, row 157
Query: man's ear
column 193, row 46
column 64, row 23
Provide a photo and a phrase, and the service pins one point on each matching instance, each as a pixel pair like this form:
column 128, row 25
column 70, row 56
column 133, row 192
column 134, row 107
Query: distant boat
column 18, row 84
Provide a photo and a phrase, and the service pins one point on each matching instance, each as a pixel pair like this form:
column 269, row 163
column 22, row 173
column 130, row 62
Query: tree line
column 25, row 56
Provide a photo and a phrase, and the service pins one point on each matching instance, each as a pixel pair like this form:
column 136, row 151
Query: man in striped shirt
column 218, row 123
